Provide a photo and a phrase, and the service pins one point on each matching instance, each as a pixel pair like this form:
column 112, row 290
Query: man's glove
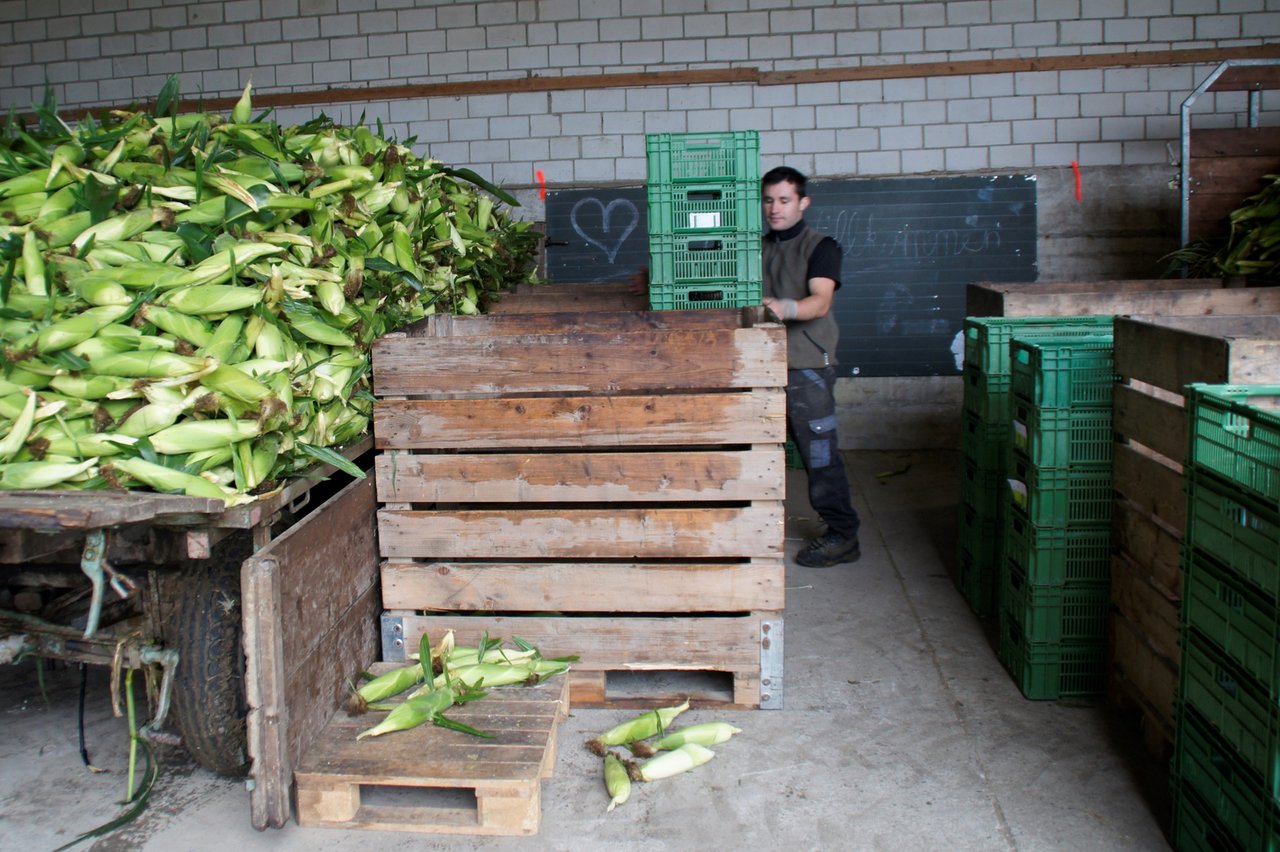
column 786, row 308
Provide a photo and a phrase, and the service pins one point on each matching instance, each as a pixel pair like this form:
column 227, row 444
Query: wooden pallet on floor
column 430, row 779
column 603, row 485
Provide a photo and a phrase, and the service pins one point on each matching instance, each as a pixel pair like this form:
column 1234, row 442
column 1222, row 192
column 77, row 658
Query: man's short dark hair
column 785, row 174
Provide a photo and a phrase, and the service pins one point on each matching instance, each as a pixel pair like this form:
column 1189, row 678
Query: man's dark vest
column 810, row 343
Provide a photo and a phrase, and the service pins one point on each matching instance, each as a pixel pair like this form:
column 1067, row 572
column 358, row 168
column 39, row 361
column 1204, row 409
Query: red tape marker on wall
column 1075, row 167
column 542, row 184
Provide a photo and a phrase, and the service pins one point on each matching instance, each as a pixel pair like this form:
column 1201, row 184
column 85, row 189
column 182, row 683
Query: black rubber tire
column 209, row 706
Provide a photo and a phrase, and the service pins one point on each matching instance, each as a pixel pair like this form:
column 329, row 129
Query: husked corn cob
column 674, row 762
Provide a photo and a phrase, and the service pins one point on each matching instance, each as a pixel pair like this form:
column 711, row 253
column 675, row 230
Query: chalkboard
column 910, row 247
column 596, row 234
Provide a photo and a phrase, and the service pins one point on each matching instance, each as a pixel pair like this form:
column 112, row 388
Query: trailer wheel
column 208, row 690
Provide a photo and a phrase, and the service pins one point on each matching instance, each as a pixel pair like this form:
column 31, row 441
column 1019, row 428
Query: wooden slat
column 1063, row 298
column 1150, row 485
column 1194, row 302
column 722, row 475
column 637, row 643
column 1171, row 352
column 90, row 510
column 571, row 322
column 1145, row 605
column 585, row 587
column 310, row 605
column 580, row 362
column 1143, row 680
column 1146, row 541
column 1210, row 143
column 583, row 533
column 543, row 422
column 1155, row 423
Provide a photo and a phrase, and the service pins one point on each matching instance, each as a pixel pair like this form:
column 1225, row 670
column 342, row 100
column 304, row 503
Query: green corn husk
column 19, row 429
column 617, row 781
column 41, row 474
column 191, row 436
column 642, row 727
column 168, row 480
column 293, row 221
column 669, row 763
column 703, row 734
column 382, row 687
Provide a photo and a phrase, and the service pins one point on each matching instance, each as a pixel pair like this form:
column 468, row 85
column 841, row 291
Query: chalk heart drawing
column 628, row 217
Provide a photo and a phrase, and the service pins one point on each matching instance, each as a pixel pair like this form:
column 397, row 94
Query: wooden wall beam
column 705, row 76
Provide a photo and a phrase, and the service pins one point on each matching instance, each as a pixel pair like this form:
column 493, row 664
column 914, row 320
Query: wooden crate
column 310, row 617
column 623, row 470
column 1154, row 359
column 1226, row 166
column 1131, row 297
column 430, row 779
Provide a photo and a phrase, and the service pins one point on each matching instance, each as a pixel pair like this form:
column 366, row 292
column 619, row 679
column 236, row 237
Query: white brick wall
column 95, row 52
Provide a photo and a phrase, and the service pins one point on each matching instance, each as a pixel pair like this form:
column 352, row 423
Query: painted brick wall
column 113, row 51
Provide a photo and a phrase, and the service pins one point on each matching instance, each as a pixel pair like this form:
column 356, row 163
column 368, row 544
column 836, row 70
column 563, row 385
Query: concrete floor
column 901, row 732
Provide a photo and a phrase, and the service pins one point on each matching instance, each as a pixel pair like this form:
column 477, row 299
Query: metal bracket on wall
column 771, row 664
column 393, row 646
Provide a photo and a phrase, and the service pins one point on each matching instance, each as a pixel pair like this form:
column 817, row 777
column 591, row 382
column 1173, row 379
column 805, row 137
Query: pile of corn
column 445, row 675
column 672, row 753
column 187, row 302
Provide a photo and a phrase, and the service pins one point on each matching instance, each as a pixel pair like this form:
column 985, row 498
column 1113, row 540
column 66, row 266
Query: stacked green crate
column 1054, row 591
column 1226, row 765
column 704, row 220
column 986, row 430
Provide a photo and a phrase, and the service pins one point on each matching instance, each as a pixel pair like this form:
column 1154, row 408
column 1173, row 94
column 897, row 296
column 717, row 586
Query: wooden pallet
column 1155, row 359
column 430, row 779
column 623, row 471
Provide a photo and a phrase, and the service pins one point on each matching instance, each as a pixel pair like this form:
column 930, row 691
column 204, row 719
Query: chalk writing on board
column 861, row 236
column 612, row 234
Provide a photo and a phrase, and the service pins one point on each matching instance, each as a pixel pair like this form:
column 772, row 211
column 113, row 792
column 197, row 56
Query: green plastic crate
column 1235, row 434
column 703, row 157
column 986, row 339
column 1236, row 704
column 983, row 443
column 1231, row 613
column 1058, row 556
column 1233, row 796
column 1239, row 532
column 987, row 396
column 666, row 297
column 1055, row 669
column 719, row 258
column 1062, row 437
column 1057, row 497
column 1062, row 372
column 794, row 462
column 982, row 487
column 698, row 208
column 1196, row 828
column 1043, row 614
column 976, row 580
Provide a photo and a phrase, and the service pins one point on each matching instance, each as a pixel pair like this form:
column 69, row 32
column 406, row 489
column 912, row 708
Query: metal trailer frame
column 1230, row 75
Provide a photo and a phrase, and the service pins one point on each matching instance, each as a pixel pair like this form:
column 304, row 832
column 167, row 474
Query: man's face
column 783, row 207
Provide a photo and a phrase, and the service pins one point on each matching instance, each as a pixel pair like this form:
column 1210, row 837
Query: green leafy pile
column 187, row 301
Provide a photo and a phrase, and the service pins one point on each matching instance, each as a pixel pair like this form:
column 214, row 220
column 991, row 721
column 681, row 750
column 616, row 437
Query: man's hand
column 784, row 309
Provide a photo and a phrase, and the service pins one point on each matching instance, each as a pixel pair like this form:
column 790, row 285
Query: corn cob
column 192, row 435
column 616, row 780
column 168, row 480
column 703, row 734
column 384, row 686
column 640, row 728
column 41, row 474
column 674, row 762
column 19, row 429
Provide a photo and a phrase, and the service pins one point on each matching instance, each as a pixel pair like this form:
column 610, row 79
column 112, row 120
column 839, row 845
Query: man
column 801, row 270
